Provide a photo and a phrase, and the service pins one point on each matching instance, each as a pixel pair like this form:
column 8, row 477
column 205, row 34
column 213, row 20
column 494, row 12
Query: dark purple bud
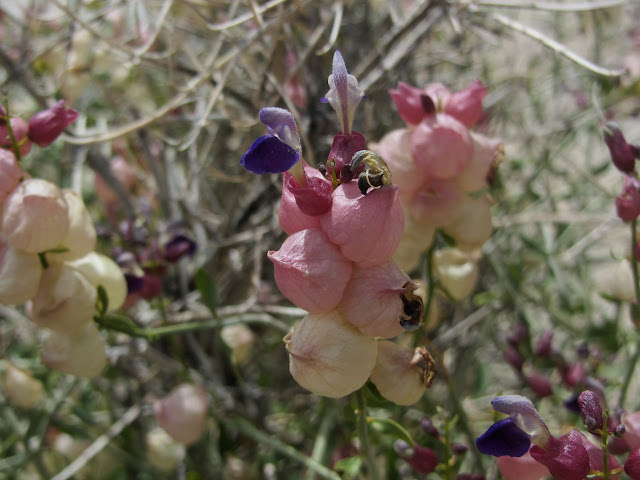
column 628, row 202
column 459, row 448
column 178, row 247
column 565, row 458
column 621, row 153
column 572, row 404
column 583, row 350
column 539, row 384
column 632, row 465
column 428, row 427
column 513, row 358
column 423, row 460
column 134, row 283
column 635, row 149
column 469, row 476
column 620, row 430
column 543, row 345
column 151, row 287
column 269, row 154
column 504, row 438
column 47, row 125
column 591, row 411
column 518, row 335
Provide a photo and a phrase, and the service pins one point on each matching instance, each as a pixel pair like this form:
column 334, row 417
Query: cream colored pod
column 80, row 353
column 100, row 270
column 329, row 356
column 416, row 238
column 81, row 237
column 35, row 216
column 163, row 452
column 65, row 301
column 473, row 225
column 615, row 279
column 19, row 274
column 240, row 339
column 21, row 388
column 182, row 413
column 457, row 272
column 397, row 374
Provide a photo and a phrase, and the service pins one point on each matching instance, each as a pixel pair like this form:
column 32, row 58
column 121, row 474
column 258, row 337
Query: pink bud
column 20, row 129
column 80, row 353
column 35, row 216
column 19, row 274
column 329, row 356
column 182, row 413
column 591, row 410
column 65, row 301
column 565, row 457
column 368, row 227
column 372, row 299
column 628, row 202
column 513, row 358
column 409, row 103
column 575, row 375
column 487, row 155
column 394, row 149
column 10, row 174
column 47, row 125
column 422, row 460
column 632, row 464
column 437, row 203
column 543, row 345
column 621, row 153
column 521, row 468
column 539, row 384
column 310, row 271
column 631, row 435
column 466, row 105
column 441, row 146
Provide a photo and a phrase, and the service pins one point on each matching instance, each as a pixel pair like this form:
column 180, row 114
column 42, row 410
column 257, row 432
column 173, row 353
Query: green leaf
column 207, row 289
column 102, row 300
column 350, row 467
column 120, row 323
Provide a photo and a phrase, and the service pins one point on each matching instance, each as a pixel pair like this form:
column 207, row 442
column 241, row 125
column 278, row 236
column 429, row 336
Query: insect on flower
column 375, row 173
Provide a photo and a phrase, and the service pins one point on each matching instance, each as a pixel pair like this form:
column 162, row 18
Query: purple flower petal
column 281, row 123
column 525, row 415
column 504, row 438
column 179, row 246
column 269, row 155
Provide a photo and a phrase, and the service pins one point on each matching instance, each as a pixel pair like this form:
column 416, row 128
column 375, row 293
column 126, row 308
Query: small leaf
column 102, row 300
column 207, row 289
column 350, row 467
column 120, row 323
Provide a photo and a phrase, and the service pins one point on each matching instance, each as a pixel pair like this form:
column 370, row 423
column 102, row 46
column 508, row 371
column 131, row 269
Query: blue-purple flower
column 277, row 151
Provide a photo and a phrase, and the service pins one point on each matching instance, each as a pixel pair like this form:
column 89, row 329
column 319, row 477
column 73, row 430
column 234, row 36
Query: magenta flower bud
column 291, row 218
column 565, row 457
column 591, row 410
column 310, row 271
column 342, row 150
column 543, row 345
column 368, row 227
column 628, row 202
column 539, row 384
column 47, row 125
column 632, row 464
column 441, row 146
column 315, row 198
column 372, row 299
column 10, row 174
column 20, row 129
column 513, row 358
column 595, row 453
column 466, row 105
column 182, row 413
column 521, row 468
column 409, row 101
column 621, row 153
column 429, row 428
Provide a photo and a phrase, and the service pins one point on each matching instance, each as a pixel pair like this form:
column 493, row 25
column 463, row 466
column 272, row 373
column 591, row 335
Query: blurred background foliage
column 174, row 88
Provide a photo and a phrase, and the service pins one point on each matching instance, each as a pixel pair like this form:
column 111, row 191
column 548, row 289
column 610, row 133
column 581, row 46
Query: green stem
column 447, row 450
column 365, row 447
column 319, row 451
column 245, row 427
column 634, row 313
column 605, row 451
column 428, row 279
column 12, row 137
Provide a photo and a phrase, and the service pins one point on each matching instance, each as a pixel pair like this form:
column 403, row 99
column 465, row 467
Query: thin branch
column 552, row 6
column 550, row 43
